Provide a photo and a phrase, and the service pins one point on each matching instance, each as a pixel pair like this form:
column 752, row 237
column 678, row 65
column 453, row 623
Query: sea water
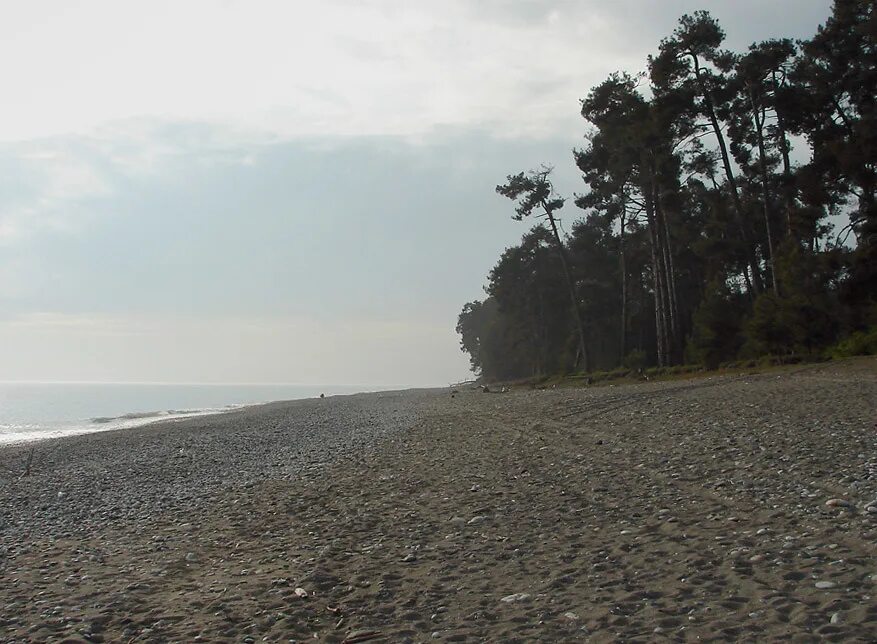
column 30, row 411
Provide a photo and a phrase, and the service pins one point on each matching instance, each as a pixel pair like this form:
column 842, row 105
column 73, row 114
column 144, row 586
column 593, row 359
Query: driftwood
column 28, row 463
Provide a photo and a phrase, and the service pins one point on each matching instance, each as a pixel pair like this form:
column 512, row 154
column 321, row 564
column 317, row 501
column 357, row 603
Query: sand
column 727, row 508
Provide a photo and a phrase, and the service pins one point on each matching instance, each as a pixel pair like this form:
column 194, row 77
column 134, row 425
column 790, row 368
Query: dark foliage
column 701, row 239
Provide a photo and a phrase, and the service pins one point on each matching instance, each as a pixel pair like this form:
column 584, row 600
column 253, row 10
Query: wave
column 170, row 413
column 103, row 420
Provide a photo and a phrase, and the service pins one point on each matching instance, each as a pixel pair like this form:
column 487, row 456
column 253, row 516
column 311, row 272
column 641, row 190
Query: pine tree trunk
column 623, row 269
column 748, row 284
column 673, row 307
column 783, row 144
column 574, row 300
column 765, row 192
column 660, row 310
column 729, row 175
column 669, row 310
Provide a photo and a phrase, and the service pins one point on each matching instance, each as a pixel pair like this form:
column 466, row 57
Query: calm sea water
column 33, row 411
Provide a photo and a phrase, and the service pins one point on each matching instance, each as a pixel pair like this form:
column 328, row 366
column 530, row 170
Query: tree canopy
column 700, row 239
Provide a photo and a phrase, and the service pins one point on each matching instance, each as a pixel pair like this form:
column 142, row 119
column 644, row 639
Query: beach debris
column 360, row 636
column 836, row 618
column 300, row 592
column 824, row 585
column 28, row 463
column 571, row 615
column 335, row 610
column 515, row 598
column 481, row 518
column 838, row 503
column 410, row 557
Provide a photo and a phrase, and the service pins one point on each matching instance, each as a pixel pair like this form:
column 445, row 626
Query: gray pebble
column 515, row 597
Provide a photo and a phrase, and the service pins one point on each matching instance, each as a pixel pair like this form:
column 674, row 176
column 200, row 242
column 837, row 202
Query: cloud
column 324, row 169
column 53, row 184
column 338, row 68
column 42, row 187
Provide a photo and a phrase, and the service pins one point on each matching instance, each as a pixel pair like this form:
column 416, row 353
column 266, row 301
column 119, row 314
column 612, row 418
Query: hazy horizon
column 288, row 193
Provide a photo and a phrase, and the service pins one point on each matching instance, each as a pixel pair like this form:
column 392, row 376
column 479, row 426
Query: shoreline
column 97, row 477
column 735, row 507
column 130, row 420
column 107, row 424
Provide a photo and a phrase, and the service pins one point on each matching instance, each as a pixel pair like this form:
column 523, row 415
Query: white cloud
column 295, row 68
column 57, row 177
column 54, row 179
column 104, row 99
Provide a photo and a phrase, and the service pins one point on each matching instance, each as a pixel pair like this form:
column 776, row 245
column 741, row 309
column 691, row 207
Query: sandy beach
column 736, row 507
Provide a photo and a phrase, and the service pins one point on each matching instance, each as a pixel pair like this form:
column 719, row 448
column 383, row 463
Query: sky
column 284, row 191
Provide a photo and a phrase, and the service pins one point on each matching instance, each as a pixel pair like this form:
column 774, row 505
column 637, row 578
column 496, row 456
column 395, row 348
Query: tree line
column 701, row 239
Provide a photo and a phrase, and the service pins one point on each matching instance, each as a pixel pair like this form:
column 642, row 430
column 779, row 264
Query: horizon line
column 153, row 382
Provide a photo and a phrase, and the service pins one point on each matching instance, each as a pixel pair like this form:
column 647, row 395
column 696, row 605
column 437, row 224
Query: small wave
column 135, row 415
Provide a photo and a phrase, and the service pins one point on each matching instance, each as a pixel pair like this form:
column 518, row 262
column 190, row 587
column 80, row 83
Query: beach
column 732, row 507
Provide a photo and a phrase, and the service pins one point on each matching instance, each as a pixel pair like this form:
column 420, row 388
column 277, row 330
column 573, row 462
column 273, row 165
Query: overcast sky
column 288, row 191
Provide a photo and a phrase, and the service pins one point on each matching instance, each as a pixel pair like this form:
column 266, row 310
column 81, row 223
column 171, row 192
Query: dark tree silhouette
column 534, row 193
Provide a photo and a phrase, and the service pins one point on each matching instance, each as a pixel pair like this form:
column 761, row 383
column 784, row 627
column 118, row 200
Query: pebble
column 409, row 557
column 804, row 507
column 91, row 492
column 838, row 503
column 515, row 597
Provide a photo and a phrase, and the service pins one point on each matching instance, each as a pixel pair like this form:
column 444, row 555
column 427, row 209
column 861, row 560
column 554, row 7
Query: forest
column 727, row 213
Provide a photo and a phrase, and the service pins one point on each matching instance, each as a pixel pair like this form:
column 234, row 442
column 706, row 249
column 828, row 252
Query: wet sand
column 729, row 508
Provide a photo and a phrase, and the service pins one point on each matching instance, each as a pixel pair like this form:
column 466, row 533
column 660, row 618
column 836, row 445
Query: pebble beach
column 735, row 507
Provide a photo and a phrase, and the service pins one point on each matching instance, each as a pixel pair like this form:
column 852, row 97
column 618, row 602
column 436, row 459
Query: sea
column 33, row 411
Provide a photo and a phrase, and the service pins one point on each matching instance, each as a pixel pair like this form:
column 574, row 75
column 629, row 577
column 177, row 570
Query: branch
column 28, row 464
